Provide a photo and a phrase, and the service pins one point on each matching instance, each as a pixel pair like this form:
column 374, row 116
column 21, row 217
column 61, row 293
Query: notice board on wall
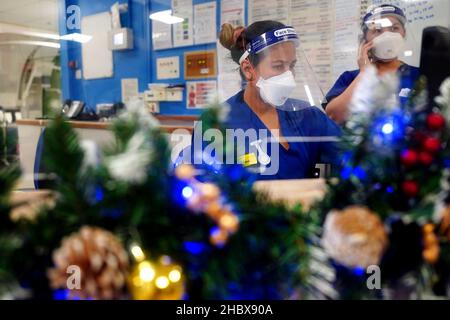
column 329, row 29
column 97, row 59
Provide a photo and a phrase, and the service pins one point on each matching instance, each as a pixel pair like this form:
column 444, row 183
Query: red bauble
column 435, row 121
column 410, row 188
column 432, row 144
column 425, row 158
column 409, row 158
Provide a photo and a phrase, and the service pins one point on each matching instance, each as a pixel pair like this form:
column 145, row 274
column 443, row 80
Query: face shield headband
column 374, row 18
column 269, row 39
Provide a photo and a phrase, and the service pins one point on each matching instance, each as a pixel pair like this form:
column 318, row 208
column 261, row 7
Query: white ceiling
column 41, row 14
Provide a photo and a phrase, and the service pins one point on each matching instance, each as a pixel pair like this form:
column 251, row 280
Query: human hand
column 363, row 55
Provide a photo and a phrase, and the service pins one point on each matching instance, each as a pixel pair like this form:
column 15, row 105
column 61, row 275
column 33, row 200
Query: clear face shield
column 286, row 79
column 394, row 36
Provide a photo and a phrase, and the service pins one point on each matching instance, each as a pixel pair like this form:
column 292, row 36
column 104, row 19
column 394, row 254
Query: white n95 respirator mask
column 276, row 90
column 388, row 46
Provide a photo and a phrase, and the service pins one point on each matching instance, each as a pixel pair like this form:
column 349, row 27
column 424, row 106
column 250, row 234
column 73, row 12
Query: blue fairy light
column 194, row 247
column 358, row 172
column 94, row 193
column 98, row 193
column 187, row 192
column 359, row 271
column 390, row 189
column 181, row 192
column 237, row 172
column 64, row 294
column 346, row 173
column 61, row 294
column 387, row 128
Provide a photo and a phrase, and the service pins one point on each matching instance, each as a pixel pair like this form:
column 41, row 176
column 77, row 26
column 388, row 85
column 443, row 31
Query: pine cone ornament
column 101, row 259
column 354, row 237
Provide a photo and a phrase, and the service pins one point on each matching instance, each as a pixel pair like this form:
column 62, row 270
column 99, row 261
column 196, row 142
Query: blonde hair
column 237, row 38
column 227, row 35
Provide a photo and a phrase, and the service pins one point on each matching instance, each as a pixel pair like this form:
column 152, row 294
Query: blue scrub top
column 297, row 162
column 408, row 76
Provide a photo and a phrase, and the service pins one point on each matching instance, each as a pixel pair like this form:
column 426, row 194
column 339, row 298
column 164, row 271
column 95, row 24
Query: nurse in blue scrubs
column 383, row 39
column 276, row 136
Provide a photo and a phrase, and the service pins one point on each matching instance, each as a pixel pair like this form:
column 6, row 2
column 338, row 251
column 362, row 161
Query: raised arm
column 337, row 109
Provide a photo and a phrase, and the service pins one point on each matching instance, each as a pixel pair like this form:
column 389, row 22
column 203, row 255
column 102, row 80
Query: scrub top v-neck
column 408, row 75
column 299, row 160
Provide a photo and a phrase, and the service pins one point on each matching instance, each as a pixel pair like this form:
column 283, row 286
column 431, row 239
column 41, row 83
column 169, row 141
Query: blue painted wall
column 137, row 63
column 132, row 63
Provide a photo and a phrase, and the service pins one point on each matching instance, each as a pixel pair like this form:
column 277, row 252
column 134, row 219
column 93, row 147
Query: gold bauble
column 161, row 280
column 169, row 281
column 141, row 281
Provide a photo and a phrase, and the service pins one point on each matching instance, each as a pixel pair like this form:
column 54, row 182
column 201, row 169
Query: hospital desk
column 29, row 132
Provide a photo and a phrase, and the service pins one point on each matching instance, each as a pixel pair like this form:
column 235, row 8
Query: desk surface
column 291, row 192
column 168, row 123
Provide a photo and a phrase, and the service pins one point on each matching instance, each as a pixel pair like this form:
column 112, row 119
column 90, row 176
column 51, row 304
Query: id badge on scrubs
column 248, row 160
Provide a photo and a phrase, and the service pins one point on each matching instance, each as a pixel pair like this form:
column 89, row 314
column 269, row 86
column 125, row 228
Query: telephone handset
column 72, row 109
column 362, row 41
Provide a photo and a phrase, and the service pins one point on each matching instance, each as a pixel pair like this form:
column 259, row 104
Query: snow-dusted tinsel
column 444, row 99
column 444, row 102
column 136, row 111
column 92, row 155
column 131, row 165
column 374, row 92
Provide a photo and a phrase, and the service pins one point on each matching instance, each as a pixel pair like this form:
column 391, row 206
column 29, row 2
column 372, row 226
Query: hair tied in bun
column 229, row 35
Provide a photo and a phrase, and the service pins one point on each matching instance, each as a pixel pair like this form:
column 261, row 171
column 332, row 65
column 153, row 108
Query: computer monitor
column 435, row 58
